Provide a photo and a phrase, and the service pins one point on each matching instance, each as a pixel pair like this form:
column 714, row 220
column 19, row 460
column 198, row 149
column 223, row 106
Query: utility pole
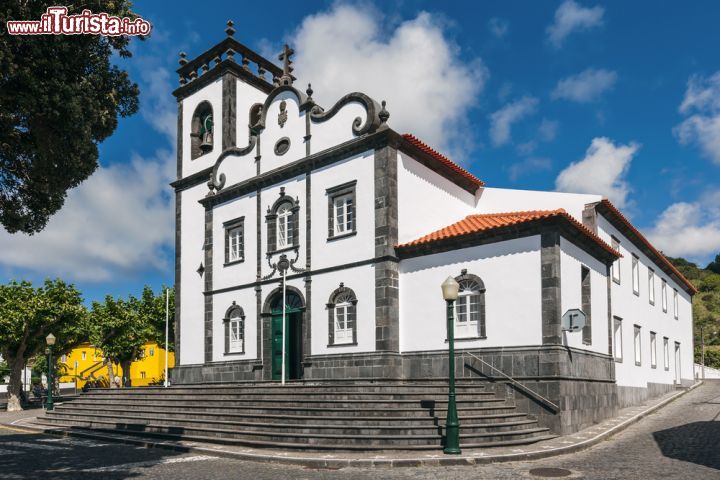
column 702, row 349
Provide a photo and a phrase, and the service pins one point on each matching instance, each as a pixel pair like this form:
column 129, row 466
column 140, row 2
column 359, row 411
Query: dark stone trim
column 226, row 322
column 197, row 178
column 387, row 308
column 332, row 301
column 179, row 140
column 589, row 217
column 341, row 236
column 586, row 300
column 178, row 272
column 235, row 262
column 196, row 125
column 293, row 223
column 334, row 192
column 622, row 354
column 335, row 345
column 232, row 225
column 208, row 340
column 609, row 310
column 229, row 113
column 282, row 146
column 551, row 287
column 467, row 339
column 307, row 333
column 227, row 66
column 334, row 268
column 482, row 324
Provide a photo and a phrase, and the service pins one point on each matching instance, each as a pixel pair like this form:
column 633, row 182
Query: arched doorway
column 294, row 308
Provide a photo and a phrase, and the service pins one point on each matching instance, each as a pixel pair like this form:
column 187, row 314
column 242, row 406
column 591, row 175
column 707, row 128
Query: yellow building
column 87, row 362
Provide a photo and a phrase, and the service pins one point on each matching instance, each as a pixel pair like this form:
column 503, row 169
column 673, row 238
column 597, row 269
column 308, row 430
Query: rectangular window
column 341, row 210
column 651, row 286
column 344, row 321
column 234, row 240
column 616, row 264
column 142, row 374
column 653, row 350
column 638, row 354
column 636, row 275
column 83, row 355
column 663, row 294
column 675, row 304
column 152, row 351
column 586, row 299
column 666, row 353
column 617, row 339
column 236, row 335
column 76, row 364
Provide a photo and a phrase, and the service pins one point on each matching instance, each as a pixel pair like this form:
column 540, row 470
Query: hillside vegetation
column 706, row 306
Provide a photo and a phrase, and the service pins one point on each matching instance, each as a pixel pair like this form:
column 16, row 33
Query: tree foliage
column 714, row 266
column 60, row 96
column 28, row 315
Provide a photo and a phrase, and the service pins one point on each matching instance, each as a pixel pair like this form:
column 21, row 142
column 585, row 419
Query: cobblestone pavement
column 681, row 440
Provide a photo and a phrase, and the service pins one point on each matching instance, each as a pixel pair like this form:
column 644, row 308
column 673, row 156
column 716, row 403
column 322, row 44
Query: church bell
column 207, row 142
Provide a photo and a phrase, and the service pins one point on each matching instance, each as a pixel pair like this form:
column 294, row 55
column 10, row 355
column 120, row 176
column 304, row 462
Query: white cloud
column 586, row 86
column 689, row 229
column 413, row 65
column 502, row 120
column 116, row 222
column 702, row 126
column 602, row 171
column 571, row 17
column 528, row 165
column 548, row 130
column 498, row 26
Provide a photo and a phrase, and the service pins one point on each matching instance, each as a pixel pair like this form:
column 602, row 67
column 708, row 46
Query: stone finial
column 286, row 58
column 309, row 92
column 230, row 30
column 261, row 72
column 282, row 191
column 183, row 59
column 205, row 68
column 245, row 63
column 463, row 271
column 230, row 54
column 383, row 115
column 217, row 60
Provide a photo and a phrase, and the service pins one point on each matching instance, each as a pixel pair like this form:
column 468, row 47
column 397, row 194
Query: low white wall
column 710, row 373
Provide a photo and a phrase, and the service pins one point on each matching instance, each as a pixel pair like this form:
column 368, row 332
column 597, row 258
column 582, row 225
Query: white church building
column 365, row 223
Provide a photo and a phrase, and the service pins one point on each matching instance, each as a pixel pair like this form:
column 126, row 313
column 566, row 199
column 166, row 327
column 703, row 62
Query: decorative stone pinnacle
column 285, row 57
column 383, row 114
column 309, row 91
column 230, row 30
column 183, row 60
column 230, row 54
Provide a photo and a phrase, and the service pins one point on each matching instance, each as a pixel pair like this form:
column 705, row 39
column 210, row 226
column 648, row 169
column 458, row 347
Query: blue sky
column 616, row 98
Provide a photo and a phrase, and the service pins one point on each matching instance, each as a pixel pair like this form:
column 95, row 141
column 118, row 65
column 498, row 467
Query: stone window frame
column 653, row 349
column 663, row 294
column 676, row 304
column 637, row 344
column 271, row 222
column 229, row 226
column 342, row 290
column 618, row 334
column 586, row 302
column 201, row 110
column 636, row 275
column 348, row 188
column 615, row 267
column 651, row 286
column 666, row 353
column 482, row 321
column 226, row 322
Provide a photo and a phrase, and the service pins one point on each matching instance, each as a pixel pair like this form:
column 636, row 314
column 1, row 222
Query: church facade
column 361, row 225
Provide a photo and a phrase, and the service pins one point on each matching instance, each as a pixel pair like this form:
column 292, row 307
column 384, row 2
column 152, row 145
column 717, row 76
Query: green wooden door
column 276, row 335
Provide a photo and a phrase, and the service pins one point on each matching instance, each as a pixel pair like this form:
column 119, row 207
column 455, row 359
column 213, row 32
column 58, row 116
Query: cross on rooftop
column 287, row 65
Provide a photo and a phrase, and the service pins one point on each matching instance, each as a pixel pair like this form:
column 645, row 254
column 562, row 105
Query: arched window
column 202, row 131
column 470, row 307
column 342, row 317
column 282, row 223
column 234, row 329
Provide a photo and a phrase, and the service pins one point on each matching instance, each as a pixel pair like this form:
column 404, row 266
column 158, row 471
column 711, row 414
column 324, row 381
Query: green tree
column 4, row 370
column 60, row 96
column 714, row 266
column 28, row 315
column 153, row 308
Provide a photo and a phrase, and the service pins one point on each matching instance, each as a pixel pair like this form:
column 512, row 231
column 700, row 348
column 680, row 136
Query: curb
column 335, row 463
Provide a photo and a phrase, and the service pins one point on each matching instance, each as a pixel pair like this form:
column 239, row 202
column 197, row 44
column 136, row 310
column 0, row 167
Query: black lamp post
column 50, row 340
column 450, row 289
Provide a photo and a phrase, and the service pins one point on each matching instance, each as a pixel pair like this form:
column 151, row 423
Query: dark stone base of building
column 582, row 384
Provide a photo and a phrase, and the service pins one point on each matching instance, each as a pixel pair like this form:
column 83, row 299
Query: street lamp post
column 50, row 340
column 450, row 289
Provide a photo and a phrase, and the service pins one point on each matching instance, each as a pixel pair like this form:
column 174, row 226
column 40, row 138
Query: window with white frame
column 234, row 330
column 284, row 226
column 617, row 339
column 341, row 210
column 616, row 264
column 234, row 240
column 653, row 350
column 663, row 294
column 636, row 274
column 651, row 286
column 666, row 353
column 470, row 307
column 342, row 317
column 638, row 353
column 676, row 307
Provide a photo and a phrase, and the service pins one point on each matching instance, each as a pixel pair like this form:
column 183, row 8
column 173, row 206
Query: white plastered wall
column 236, row 273
column 211, row 93
column 511, row 273
column 245, row 298
column 498, row 200
column 637, row 310
column 572, row 259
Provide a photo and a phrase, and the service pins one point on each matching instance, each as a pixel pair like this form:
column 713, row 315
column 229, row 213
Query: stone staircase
column 331, row 416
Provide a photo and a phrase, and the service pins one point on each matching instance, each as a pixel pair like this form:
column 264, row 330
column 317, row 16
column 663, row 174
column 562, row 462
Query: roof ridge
column 518, row 213
column 441, row 158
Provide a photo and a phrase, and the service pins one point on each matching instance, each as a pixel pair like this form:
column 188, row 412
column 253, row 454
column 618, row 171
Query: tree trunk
column 125, row 365
column 16, row 367
column 111, row 375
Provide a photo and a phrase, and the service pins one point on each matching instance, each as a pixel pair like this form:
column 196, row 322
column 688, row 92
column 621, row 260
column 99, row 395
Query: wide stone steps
column 343, row 416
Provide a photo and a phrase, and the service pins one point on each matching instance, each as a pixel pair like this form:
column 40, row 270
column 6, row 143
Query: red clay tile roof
column 442, row 159
column 653, row 252
column 484, row 222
